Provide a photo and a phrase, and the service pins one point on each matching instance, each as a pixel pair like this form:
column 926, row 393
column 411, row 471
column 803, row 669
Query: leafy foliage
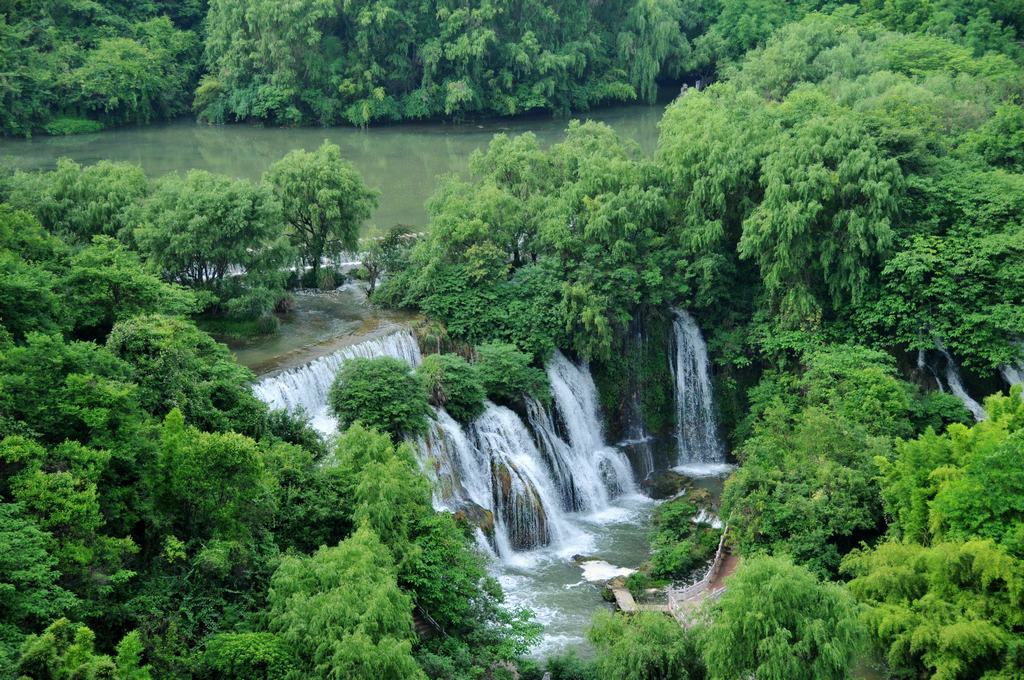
column 324, row 202
column 776, row 620
column 453, row 384
column 952, row 610
column 216, row 234
column 645, row 646
column 381, row 393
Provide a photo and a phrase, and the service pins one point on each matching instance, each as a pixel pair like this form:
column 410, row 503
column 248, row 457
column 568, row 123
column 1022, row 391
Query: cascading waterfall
column 527, row 479
column 1013, row 374
column 306, row 386
column 494, row 466
column 599, row 472
column 956, row 385
column 696, row 427
column 528, row 508
column 530, row 476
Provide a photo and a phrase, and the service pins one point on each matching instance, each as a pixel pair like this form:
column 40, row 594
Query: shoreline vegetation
column 835, row 224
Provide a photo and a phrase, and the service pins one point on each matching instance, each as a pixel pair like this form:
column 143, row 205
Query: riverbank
column 401, row 161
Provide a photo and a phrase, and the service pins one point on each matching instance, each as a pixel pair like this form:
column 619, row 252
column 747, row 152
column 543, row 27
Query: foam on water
column 700, row 470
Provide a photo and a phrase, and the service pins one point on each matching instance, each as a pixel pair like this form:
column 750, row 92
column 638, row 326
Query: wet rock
column 666, row 484
column 476, row 516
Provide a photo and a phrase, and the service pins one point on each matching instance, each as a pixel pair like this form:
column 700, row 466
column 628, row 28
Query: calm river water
column 401, row 161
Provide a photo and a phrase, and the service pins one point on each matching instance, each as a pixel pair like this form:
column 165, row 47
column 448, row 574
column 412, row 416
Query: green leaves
column 949, row 611
column 380, row 393
column 453, row 384
column 342, row 613
column 324, row 202
column 776, row 621
column 644, row 646
column 215, row 233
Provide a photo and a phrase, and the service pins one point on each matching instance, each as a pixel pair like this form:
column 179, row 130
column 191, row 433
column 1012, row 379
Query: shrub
column 507, row 374
column 454, row 384
column 72, row 126
column 381, row 393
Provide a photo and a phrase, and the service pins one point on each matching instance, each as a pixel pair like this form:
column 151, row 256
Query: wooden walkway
column 683, row 603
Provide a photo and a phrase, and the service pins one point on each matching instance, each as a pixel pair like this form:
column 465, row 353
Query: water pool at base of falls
column 554, row 586
column 564, row 508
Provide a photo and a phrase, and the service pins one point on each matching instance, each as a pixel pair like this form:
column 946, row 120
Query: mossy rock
column 667, row 484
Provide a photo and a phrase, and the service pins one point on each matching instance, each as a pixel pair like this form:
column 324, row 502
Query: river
column 401, row 161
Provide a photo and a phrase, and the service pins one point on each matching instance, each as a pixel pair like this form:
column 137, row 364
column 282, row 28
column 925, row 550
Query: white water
column 598, row 471
column 956, row 385
column 696, row 428
column 306, row 387
column 527, row 502
column 1013, row 374
column 555, row 487
column 534, row 478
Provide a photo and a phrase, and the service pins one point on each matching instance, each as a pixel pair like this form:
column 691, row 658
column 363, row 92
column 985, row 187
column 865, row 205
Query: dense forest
column 840, row 206
column 70, row 66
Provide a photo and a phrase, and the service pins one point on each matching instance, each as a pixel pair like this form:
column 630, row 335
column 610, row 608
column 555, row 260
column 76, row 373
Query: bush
column 249, row 656
column 72, row 126
column 453, row 384
column 507, row 374
column 642, row 646
column 381, row 393
column 678, row 544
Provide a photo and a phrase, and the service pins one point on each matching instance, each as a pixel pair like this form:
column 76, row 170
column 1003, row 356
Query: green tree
column 249, row 656
column 777, row 621
column 960, row 485
column 507, row 374
column 646, row 646
column 66, row 650
column 825, row 220
column 217, row 234
column 453, row 384
column 134, row 79
column 106, row 283
column 29, row 581
column 208, row 485
column 952, row 610
column 381, row 393
column 176, row 365
column 342, row 614
column 325, row 202
column 79, row 202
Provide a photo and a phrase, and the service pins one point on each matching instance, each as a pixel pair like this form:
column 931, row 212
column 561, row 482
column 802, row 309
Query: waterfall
column 530, row 476
column 519, row 482
column 1013, row 374
column 528, row 509
column 956, row 385
column 306, row 386
column 600, row 472
column 924, row 367
column 696, row 428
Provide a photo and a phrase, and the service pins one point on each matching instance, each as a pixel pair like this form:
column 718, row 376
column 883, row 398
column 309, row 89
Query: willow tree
column 342, row 613
column 776, row 621
column 952, row 610
column 651, row 37
column 826, row 217
column 325, row 201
